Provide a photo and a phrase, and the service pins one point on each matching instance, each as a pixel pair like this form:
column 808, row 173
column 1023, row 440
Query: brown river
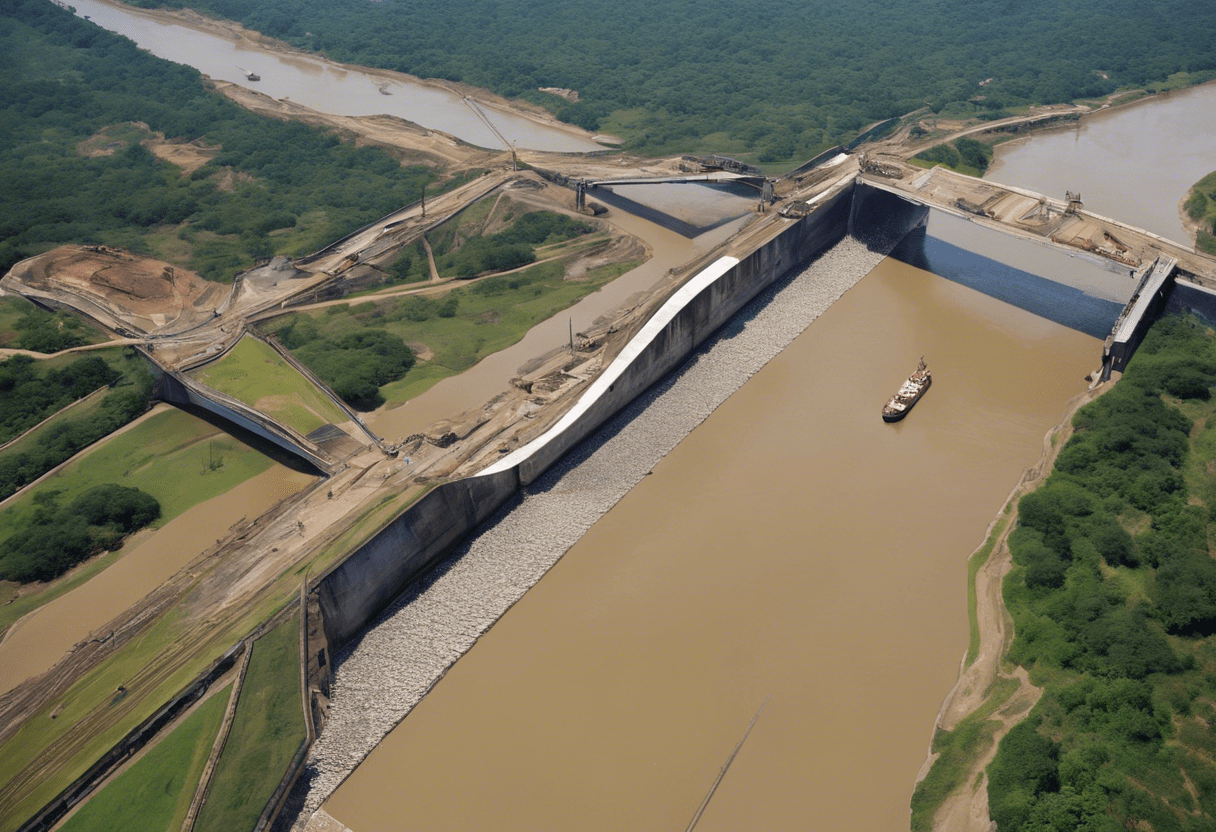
column 1134, row 163
column 793, row 548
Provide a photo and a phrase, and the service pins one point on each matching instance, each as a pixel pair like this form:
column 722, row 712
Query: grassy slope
column 253, row 373
column 155, row 793
column 267, row 730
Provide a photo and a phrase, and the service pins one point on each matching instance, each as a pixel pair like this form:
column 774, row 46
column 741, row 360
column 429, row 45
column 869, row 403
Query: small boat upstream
column 908, row 394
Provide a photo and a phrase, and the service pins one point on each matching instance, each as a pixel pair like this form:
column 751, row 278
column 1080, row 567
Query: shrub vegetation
column 1113, row 594
column 56, row 538
column 964, row 155
column 1200, row 206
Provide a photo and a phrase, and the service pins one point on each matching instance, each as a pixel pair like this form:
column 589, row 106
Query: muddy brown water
column 793, row 546
column 36, row 642
column 332, row 88
column 1133, row 163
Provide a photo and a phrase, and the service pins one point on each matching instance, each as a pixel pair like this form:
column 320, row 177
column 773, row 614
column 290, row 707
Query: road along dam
column 1019, row 360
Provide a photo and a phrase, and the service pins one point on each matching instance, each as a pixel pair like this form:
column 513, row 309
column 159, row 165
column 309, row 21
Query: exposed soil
column 189, row 156
column 147, row 293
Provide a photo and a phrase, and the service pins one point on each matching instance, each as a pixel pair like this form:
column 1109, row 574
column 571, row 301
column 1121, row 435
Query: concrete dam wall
column 353, row 592
column 178, row 389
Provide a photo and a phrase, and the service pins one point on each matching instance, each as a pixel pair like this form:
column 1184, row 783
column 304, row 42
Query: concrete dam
column 1082, row 291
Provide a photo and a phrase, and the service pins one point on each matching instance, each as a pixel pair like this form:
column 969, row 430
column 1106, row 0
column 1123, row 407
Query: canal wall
column 178, row 389
column 1188, row 298
column 354, row 591
column 1146, row 304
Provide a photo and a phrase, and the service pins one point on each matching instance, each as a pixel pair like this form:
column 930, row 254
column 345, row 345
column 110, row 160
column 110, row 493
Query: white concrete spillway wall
column 352, row 592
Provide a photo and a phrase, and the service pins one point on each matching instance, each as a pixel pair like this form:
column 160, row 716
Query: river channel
column 793, row 548
column 333, row 88
column 1134, row 163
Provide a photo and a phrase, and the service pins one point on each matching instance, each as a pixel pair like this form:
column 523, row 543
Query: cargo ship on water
column 908, row 394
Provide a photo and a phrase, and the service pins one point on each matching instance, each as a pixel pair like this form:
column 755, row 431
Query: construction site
column 379, row 498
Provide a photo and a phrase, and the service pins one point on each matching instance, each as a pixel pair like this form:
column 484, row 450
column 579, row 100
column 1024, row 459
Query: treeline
column 1113, row 596
column 509, row 249
column 778, row 82
column 60, row 440
column 28, row 393
column 965, row 155
column 56, row 538
column 1200, row 206
column 66, row 79
column 354, row 365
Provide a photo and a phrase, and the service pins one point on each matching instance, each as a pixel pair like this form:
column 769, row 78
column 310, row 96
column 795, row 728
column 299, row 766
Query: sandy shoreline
column 235, row 31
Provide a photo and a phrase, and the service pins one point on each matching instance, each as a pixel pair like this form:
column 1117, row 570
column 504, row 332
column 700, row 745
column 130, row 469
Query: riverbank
column 476, row 107
column 985, row 692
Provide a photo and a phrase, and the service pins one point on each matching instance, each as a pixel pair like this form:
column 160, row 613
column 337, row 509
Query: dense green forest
column 66, row 80
column 781, row 79
column 56, row 537
column 26, row 460
column 1113, row 595
column 28, row 393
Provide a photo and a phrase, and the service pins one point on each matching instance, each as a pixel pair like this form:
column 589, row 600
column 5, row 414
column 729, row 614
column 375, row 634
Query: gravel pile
column 380, row 677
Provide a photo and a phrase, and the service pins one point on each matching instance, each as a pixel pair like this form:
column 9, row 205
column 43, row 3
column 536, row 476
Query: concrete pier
column 1139, row 314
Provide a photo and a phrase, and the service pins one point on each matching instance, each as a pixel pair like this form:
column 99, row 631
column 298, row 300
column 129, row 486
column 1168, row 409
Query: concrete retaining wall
column 1187, row 298
column 180, row 390
column 1145, row 306
column 354, row 591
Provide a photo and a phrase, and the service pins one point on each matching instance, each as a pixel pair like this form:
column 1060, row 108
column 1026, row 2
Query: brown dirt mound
column 147, row 291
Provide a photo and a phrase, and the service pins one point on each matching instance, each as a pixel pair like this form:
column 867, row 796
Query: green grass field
column 267, row 730
column 167, row 455
column 154, row 794
column 255, row 374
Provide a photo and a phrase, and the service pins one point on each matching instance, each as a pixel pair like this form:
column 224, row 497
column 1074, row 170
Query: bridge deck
column 717, row 176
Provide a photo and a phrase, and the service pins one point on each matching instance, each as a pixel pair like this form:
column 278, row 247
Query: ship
column 908, row 394
column 252, row 76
